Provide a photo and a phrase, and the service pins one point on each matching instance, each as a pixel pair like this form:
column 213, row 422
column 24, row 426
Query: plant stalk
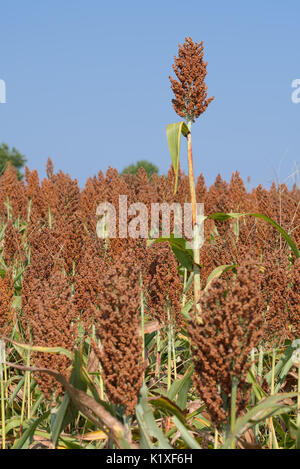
column 233, row 407
column 169, row 349
column 298, row 410
column 196, row 251
column 142, row 319
column 3, row 427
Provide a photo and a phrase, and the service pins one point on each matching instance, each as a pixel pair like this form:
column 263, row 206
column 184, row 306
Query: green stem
column 142, row 318
column 298, row 410
column 184, row 287
column 28, row 388
column 157, row 370
column 3, row 427
column 101, row 385
column 23, row 401
column 174, row 352
column 5, row 380
column 196, row 251
column 169, row 349
column 233, row 407
column 273, row 372
column 272, row 393
column 253, row 398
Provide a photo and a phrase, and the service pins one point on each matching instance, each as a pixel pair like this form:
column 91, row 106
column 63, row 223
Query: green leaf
column 88, row 406
column 67, row 411
column 147, row 424
column 189, row 283
column 266, row 408
column 2, row 273
column 182, row 254
column 168, row 406
column 186, row 436
column 59, row 350
column 183, row 258
column 181, row 388
column 288, row 239
column 26, row 438
column 174, row 132
column 282, row 367
column 13, row 422
column 257, row 389
column 186, row 309
column 59, row 417
column 17, row 302
column 184, row 388
column 218, row 271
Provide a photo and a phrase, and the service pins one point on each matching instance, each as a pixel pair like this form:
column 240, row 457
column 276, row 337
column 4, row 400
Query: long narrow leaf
column 226, row 216
column 174, row 132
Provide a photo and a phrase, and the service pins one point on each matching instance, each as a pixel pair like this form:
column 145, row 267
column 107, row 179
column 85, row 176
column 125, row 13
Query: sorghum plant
column 49, row 320
column 232, row 325
column 118, row 325
column 190, row 102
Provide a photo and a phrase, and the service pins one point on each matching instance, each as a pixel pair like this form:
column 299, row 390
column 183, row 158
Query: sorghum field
column 104, row 347
column 122, row 342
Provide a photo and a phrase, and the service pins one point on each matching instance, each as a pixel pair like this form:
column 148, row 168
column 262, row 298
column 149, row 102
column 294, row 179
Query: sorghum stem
column 233, row 406
column 196, row 251
column 298, row 409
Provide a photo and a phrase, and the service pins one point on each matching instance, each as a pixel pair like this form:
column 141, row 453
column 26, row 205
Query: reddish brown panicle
column 190, row 90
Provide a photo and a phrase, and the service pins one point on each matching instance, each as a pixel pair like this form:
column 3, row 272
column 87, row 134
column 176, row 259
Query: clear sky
column 87, row 84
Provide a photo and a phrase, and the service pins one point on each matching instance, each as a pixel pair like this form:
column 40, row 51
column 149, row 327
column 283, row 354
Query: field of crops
column 103, row 345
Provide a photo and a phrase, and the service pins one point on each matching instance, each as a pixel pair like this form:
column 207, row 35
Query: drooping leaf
column 174, row 132
column 33, row 348
column 182, row 254
column 226, row 216
column 165, row 404
column 218, row 271
column 88, row 406
column 94, row 436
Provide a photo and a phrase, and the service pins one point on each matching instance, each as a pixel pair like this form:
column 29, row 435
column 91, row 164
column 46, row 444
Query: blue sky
column 87, row 84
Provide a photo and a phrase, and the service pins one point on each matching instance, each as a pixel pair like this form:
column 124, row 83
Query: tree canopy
column 13, row 156
column 150, row 168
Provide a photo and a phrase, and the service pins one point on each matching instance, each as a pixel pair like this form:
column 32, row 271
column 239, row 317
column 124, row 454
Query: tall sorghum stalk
column 190, row 102
column 169, row 348
column 196, row 251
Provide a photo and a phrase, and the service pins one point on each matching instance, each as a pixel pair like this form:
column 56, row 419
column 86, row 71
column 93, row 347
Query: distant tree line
column 12, row 156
